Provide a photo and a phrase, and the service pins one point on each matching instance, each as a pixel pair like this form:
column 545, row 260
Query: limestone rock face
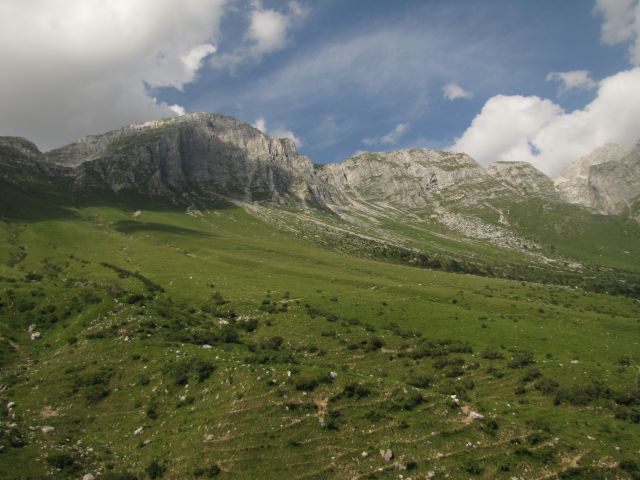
column 199, row 153
column 410, row 178
column 522, row 177
column 607, row 180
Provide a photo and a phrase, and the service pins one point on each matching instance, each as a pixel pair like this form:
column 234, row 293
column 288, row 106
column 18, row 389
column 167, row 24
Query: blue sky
column 353, row 71
column 338, row 76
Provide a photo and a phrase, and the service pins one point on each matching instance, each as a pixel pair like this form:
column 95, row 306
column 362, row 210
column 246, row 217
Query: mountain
column 522, row 177
column 427, row 207
column 198, row 155
column 607, row 180
column 190, row 298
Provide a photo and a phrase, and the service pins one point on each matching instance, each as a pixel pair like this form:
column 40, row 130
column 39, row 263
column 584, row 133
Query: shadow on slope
column 131, row 226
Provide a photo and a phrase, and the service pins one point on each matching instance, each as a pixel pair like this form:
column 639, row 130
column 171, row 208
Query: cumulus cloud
column 268, row 32
column 177, row 109
column 621, row 24
column 280, row 132
column 453, row 91
column 73, row 67
column 541, row 132
column 390, row 138
column 574, row 80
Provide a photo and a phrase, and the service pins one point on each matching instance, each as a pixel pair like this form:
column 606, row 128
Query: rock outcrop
column 411, row 178
column 204, row 157
column 199, row 154
column 522, row 177
column 607, row 180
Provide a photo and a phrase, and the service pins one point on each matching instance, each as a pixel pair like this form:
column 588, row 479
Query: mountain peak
column 522, row 177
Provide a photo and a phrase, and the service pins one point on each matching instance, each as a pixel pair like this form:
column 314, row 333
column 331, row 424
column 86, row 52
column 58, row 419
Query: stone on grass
column 475, row 415
column 387, row 454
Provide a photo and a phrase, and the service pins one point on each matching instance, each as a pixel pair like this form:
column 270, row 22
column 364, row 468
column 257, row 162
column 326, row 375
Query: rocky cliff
column 607, row 180
column 204, row 154
column 411, row 178
column 208, row 156
column 522, row 177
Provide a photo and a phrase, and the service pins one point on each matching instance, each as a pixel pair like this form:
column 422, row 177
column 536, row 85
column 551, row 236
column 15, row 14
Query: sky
column 543, row 81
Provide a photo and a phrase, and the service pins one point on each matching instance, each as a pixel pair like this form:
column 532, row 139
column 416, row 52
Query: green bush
column 521, row 359
column 155, row 470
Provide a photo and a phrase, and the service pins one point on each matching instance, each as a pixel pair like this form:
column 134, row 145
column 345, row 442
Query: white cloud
column 390, row 138
column 261, row 124
column 89, row 62
column 177, row 109
column 453, row 91
column 281, row 132
column 621, row 24
column 539, row 131
column 268, row 32
column 193, row 60
column 376, row 72
column 574, row 80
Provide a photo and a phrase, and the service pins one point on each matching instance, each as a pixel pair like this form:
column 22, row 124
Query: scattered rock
column 387, row 454
column 47, row 429
column 10, row 405
column 475, row 415
column 35, row 336
column 138, row 431
column 88, row 476
column 364, row 454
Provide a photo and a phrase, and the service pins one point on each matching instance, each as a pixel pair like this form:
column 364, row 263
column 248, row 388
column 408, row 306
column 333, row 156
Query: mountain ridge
column 410, row 201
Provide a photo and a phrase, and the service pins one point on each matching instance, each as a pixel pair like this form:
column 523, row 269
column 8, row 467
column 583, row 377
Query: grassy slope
column 274, row 431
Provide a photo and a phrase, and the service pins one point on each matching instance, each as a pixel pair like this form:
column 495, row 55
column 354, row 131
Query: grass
column 179, row 346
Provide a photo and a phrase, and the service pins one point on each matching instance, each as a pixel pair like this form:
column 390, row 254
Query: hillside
column 159, row 323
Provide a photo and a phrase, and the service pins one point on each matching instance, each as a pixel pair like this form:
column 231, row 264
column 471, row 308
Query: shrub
column 155, row 470
column 273, row 343
column 547, row 386
column 631, row 466
column 180, row 371
column 152, row 412
column 531, row 375
column 204, row 369
column 421, row 381
column 209, row 472
column 308, row 384
column 250, row 325
column 473, row 467
column 353, row 390
column 492, row 354
column 33, row 277
column 625, row 361
column 375, row 343
column 521, row 359
column 228, row 334
column 63, row 461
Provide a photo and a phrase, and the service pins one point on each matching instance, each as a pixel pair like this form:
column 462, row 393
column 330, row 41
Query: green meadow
column 155, row 344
